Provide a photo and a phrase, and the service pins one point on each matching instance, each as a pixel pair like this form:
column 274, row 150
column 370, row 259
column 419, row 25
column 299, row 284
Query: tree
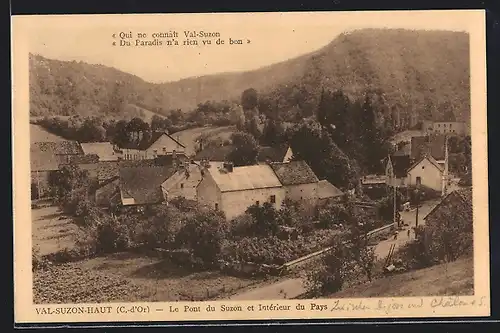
column 120, row 133
column 204, row 233
column 157, row 123
column 357, row 243
column 335, row 268
column 249, row 99
column 245, row 149
column 69, row 186
column 311, row 143
column 273, row 133
column 136, row 127
column 265, row 217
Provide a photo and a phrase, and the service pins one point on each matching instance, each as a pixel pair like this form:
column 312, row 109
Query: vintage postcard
column 250, row 166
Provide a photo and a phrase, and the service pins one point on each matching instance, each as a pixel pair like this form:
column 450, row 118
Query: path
column 293, row 287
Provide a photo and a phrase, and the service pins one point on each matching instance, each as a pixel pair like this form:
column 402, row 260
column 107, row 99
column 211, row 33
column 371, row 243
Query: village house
column 170, row 175
column 427, row 172
column 328, row 193
column 184, row 181
column 457, row 205
column 397, row 167
column 104, row 150
column 233, row 189
column 445, row 127
column 90, row 163
column 433, row 145
column 43, row 163
column 299, row 181
column 62, row 150
column 161, row 143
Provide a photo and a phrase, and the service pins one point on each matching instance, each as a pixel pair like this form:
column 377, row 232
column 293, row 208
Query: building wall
column 41, row 180
column 430, row 175
column 207, row 192
column 180, row 185
column 163, row 146
column 288, row 155
column 133, row 154
column 236, row 203
column 456, row 128
column 304, row 193
column 104, row 193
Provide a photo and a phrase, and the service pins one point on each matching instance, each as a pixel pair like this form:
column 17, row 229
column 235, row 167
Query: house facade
column 233, row 189
column 183, row 182
column 426, row 172
column 161, row 144
column 298, row 180
column 104, row 150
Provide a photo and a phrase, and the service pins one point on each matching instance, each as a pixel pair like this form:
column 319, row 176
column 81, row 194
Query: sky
column 274, row 37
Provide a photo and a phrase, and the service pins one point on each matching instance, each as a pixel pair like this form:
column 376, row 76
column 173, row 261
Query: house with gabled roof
column 160, row 144
column 104, row 150
column 298, row 180
column 62, row 150
column 43, row 163
column 233, row 189
column 328, row 193
column 427, row 172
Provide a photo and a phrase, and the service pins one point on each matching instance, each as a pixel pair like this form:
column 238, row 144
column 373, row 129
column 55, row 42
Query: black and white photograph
column 300, row 159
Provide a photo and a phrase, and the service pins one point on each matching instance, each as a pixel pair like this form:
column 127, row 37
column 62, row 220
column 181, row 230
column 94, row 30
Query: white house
column 183, row 182
column 233, row 189
column 161, row 143
column 299, row 181
column 427, row 172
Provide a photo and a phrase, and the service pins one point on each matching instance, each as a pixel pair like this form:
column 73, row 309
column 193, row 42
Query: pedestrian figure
column 409, row 233
column 396, row 235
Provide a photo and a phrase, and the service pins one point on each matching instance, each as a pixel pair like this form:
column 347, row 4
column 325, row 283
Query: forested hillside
column 420, row 74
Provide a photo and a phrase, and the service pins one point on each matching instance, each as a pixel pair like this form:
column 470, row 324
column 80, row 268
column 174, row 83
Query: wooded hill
column 421, row 74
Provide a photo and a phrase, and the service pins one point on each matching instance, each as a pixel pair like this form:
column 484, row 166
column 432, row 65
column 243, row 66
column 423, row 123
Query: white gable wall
column 235, row 203
column 429, row 174
column 165, row 145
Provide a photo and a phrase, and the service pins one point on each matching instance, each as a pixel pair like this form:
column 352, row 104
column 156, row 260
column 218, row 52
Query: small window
column 450, row 125
column 419, row 180
column 273, row 199
column 182, row 185
column 164, row 150
column 216, row 206
column 257, row 202
column 439, row 125
column 423, row 167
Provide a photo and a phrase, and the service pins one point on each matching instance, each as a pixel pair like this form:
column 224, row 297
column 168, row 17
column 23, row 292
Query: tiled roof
column 433, row 145
column 217, row 154
column 107, row 171
column 144, row 183
column 61, row 147
column 104, row 150
column 143, row 145
column 43, row 158
column 84, row 159
column 430, row 159
column 400, row 165
column 463, row 194
column 294, row 173
column 404, row 151
column 328, row 190
column 273, row 154
column 245, row 178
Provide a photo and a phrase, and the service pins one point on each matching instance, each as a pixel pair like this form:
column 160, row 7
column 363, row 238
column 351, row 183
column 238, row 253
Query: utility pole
column 418, row 204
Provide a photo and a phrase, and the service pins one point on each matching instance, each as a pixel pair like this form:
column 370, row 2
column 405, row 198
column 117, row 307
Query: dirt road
column 292, row 287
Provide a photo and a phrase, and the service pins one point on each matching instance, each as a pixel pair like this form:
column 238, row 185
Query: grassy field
column 38, row 134
column 188, row 137
column 51, row 231
column 123, row 277
column 455, row 278
column 128, row 277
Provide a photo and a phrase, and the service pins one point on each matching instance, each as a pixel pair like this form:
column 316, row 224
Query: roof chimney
column 228, row 166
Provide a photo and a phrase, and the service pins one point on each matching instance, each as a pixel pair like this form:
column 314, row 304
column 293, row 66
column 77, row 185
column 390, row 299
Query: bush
column 204, row 234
